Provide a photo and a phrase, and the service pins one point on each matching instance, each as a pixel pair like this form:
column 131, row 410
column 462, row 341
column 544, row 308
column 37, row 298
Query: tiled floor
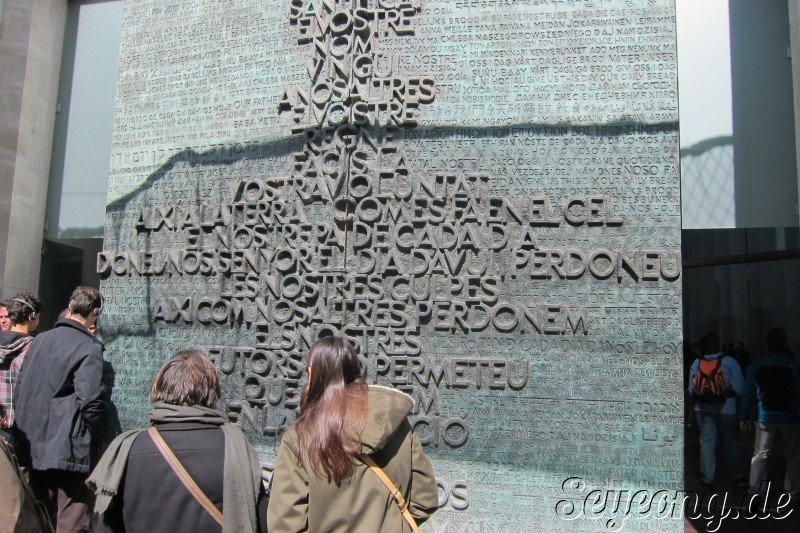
column 724, row 521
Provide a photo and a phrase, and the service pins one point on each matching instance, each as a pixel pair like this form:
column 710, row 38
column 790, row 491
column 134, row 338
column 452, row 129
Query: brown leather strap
column 184, row 476
column 396, row 494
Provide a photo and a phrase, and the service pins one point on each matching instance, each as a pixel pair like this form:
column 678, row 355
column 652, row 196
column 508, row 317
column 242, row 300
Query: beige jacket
column 300, row 501
column 19, row 510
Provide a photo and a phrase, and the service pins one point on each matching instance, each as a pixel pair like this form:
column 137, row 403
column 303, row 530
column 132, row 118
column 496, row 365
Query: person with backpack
column 715, row 380
column 773, row 383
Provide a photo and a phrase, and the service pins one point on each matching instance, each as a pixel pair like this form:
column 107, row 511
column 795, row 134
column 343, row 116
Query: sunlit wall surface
column 737, row 137
column 82, row 138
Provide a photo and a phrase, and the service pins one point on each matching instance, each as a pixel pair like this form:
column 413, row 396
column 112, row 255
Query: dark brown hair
column 333, row 409
column 710, row 343
column 187, row 378
column 22, row 307
column 84, row 300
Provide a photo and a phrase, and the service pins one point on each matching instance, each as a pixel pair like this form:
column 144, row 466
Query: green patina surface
column 483, row 195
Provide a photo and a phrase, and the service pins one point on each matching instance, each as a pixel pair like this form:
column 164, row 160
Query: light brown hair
column 187, row 378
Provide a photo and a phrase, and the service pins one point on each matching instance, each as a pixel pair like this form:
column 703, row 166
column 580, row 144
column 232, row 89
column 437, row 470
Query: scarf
column 242, row 468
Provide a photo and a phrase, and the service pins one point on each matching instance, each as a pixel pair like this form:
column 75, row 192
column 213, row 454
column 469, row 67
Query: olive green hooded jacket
column 301, row 501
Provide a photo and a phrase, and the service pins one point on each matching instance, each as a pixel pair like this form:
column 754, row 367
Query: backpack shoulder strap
column 184, row 476
column 398, row 497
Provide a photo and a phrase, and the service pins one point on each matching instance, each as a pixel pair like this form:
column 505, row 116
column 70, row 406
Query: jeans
column 711, row 423
column 767, row 436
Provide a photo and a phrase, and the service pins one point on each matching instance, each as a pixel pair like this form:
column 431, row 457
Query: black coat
column 59, row 400
column 152, row 499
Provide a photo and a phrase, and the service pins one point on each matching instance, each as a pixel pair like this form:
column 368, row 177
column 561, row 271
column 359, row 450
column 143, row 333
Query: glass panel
column 706, row 120
column 82, row 138
column 765, row 159
column 738, row 155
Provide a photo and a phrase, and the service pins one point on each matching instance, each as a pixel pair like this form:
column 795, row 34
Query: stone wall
column 31, row 34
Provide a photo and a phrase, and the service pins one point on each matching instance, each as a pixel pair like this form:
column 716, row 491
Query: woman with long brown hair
column 322, row 481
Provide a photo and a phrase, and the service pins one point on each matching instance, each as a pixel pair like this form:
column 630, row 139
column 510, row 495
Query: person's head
column 85, row 305
column 5, row 323
column 186, row 378
column 23, row 311
column 332, row 362
column 333, row 409
column 776, row 340
column 711, row 344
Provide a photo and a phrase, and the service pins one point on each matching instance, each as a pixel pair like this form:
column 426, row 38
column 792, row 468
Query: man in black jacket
column 60, row 410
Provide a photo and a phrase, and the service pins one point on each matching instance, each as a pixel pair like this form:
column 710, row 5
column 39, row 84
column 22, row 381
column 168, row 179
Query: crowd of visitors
column 351, row 459
column 350, row 462
column 724, row 398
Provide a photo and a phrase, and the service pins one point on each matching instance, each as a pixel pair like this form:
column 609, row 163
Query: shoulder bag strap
column 398, row 497
column 184, row 476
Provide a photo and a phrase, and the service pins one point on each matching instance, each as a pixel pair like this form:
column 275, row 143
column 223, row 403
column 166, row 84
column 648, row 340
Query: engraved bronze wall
column 482, row 194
